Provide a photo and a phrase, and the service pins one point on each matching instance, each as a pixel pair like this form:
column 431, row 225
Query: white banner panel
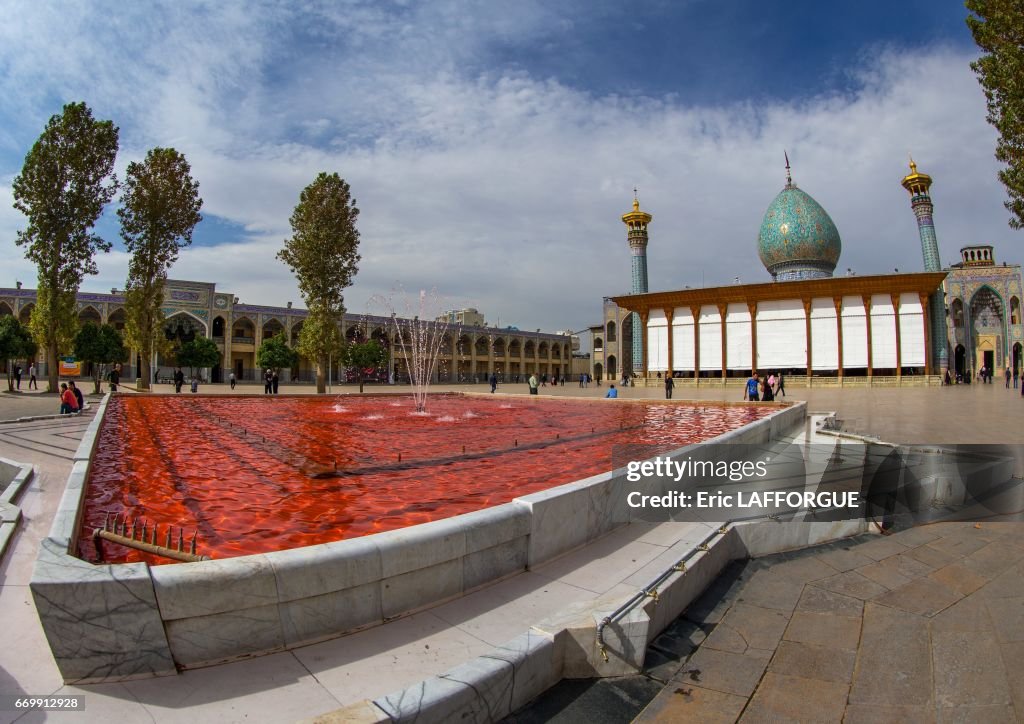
column 824, row 335
column 682, row 341
column 710, row 338
column 911, row 331
column 855, row 334
column 657, row 347
column 781, row 334
column 737, row 337
column 883, row 332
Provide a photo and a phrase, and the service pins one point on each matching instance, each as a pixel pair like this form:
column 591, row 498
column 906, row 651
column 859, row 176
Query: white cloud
column 503, row 190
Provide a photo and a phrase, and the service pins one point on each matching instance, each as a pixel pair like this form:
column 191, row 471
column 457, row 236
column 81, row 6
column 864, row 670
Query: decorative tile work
column 797, row 231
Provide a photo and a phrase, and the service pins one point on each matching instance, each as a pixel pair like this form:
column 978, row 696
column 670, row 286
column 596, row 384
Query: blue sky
column 493, row 146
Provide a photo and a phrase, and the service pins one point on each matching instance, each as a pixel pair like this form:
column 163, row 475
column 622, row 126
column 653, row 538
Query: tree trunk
column 52, row 368
column 360, row 384
column 145, row 372
column 321, row 379
column 97, row 380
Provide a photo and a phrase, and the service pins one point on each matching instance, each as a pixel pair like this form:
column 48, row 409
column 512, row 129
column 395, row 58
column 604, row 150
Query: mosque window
column 1014, row 310
column 958, row 313
column 610, row 336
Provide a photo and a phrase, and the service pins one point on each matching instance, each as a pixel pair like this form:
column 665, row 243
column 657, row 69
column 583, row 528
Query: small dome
column 798, row 239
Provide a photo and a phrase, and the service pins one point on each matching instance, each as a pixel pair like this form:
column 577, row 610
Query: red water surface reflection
column 258, row 474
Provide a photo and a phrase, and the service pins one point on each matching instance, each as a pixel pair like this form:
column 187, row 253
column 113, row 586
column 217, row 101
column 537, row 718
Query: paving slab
column 894, row 661
column 844, row 560
column 852, row 584
column 1013, row 663
column 691, row 703
column 959, row 578
column 933, row 557
column 993, row 559
column 793, row 698
column 922, row 596
column 746, row 627
column 1007, row 618
column 880, row 714
column 818, row 600
column 723, row 671
column 824, row 629
column 769, row 589
column 881, row 548
column 825, row 663
column 968, row 614
column 1008, row 584
column 960, row 544
column 969, row 670
column 999, row 714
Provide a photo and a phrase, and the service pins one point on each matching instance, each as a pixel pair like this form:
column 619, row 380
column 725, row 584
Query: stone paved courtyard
column 926, row 625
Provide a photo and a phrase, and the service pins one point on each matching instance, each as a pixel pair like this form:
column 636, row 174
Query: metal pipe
column 650, row 591
column 148, row 547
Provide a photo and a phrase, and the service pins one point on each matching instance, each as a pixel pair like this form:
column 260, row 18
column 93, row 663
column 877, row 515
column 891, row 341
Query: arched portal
column 960, row 361
column 988, row 329
column 90, row 314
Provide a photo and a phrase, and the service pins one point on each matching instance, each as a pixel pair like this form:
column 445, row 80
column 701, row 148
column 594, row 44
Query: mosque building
column 818, row 329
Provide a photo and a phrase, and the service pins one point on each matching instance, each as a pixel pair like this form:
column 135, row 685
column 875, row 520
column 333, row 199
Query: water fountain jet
column 420, row 336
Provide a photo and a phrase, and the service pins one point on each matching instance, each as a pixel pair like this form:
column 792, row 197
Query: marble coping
column 196, row 614
column 492, row 686
column 14, row 477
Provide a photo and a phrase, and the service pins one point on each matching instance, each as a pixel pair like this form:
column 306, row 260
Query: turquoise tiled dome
column 798, row 239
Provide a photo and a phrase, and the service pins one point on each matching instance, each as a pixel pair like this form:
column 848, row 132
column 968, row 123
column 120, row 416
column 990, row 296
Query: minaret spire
column 636, row 222
column 789, row 175
column 918, row 185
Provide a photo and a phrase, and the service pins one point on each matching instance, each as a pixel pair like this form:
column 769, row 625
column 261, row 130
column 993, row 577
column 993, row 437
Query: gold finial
column 636, row 201
column 913, row 166
column 789, row 175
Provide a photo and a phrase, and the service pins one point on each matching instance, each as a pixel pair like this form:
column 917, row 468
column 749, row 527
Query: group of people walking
column 766, row 390
column 18, row 372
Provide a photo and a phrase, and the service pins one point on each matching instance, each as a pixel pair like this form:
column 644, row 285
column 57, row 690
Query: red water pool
column 258, row 474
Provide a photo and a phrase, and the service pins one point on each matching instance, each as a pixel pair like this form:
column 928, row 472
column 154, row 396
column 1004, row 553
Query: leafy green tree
column 160, row 208
column 998, row 29
column 199, row 352
column 101, row 345
column 275, row 354
column 323, row 254
column 362, row 356
column 67, row 179
column 16, row 342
